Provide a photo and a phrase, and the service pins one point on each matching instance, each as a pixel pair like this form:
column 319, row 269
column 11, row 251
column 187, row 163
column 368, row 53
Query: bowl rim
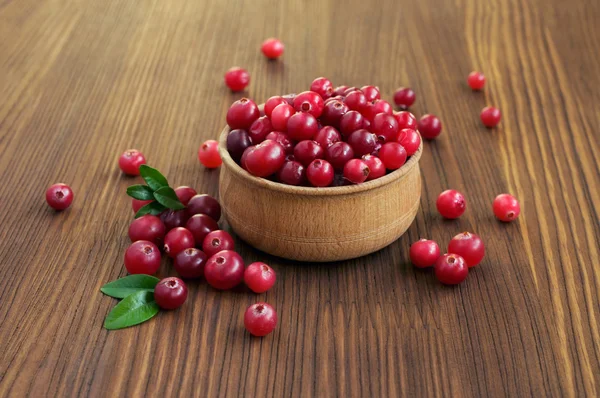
column 314, row 191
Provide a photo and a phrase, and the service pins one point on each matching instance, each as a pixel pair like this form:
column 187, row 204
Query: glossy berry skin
column 429, row 127
column 406, row 120
column 327, row 136
column 339, row 154
column 259, row 129
column 469, row 246
column 177, row 240
column 404, row 97
column 410, row 139
column 280, row 116
column 302, row 126
column 201, row 225
column 130, row 162
column 476, row 80
column 224, row 270
column 424, row 253
column 322, row 86
column 306, row 151
column 393, row 155
column 375, row 165
column 292, row 173
column 237, row 78
column 190, row 262
column 59, row 196
column 333, row 112
column 283, row 140
column 208, row 154
column 265, row 158
column 356, row 171
column 272, row 103
column 174, row 218
column 147, row 227
column 451, row 269
column 356, row 100
column 260, row 319
column 142, row 257
column 490, row 116
column 350, row 122
column 272, row 48
column 319, row 173
column 237, row 142
column 309, row 101
column 362, row 142
column 506, row 207
column 216, row 241
column 371, row 93
column 259, row 277
column 204, row 204
column 170, row 293
column 339, row 90
column 185, row 193
column 451, row 204
column 242, row 113
column 385, row 127
column 137, row 204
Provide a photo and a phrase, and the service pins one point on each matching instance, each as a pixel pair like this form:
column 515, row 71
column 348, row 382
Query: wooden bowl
column 318, row 224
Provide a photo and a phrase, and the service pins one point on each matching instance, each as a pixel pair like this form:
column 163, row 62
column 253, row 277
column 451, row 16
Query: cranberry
column 283, row 140
column 265, row 158
column 406, row 120
column 476, row 80
column 424, row 253
column 339, row 90
column 259, row 129
column 216, row 241
column 237, row 142
column 506, row 207
column 306, row 151
column 280, row 116
column 404, row 97
column 327, row 136
column 371, row 93
column 137, row 204
column 142, row 257
column 200, row 225
column 469, row 246
column 170, row 293
column 259, row 277
column 362, row 142
column 356, row 100
column 272, row 103
column 185, row 193
column 309, row 101
column 272, row 48
column 302, row 126
column 190, row 262
column 59, row 196
column 208, row 154
column 148, row 228
column 130, row 162
column 375, row 165
column 174, row 218
column 291, row 173
column 289, row 98
column 393, row 155
column 385, row 127
column 204, row 204
column 410, row 140
column 350, row 122
column 356, row 171
column 322, row 86
column 339, row 154
column 451, row 269
column 260, row 319
column 319, row 173
column 333, row 112
column 237, row 78
column 242, row 113
column 451, row 204
column 244, row 156
column 430, row 127
column 177, row 240
column 377, row 107
column 224, row 270
column 490, row 116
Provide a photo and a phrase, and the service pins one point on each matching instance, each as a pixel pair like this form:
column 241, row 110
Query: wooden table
column 81, row 81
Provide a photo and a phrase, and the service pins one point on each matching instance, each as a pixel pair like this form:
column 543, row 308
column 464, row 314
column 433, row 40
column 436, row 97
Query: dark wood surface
column 81, row 81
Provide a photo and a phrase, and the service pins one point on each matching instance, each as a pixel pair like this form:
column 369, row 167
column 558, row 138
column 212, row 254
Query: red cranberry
column 224, row 270
column 410, row 140
column 170, row 293
column 350, row 122
column 174, row 218
column 385, row 127
column 291, row 173
column 176, row 240
column 333, row 112
column 339, row 154
column 356, row 100
column 339, row 90
column 306, row 151
column 260, row 319
column 59, row 196
column 424, row 253
column 237, row 142
column 490, row 116
column 280, row 116
column 216, row 241
column 130, row 162
column 309, row 101
column 142, row 257
column 302, row 126
column 136, row 204
column 375, row 165
column 185, row 193
column 204, row 204
column 322, row 86
column 469, row 246
column 404, row 97
column 451, row 204
column 356, row 171
column 148, row 228
column 476, row 80
column 237, row 78
column 377, row 107
column 406, row 120
column 430, row 127
column 371, row 93
column 208, row 154
column 272, row 48
column 272, row 103
column 259, row 277
column 190, row 262
column 283, row 140
column 451, row 269
column 327, row 136
column 259, row 130
column 319, row 173
column 362, row 142
column 265, row 158
column 393, row 155
column 200, row 225
column 506, row 207
column 242, row 113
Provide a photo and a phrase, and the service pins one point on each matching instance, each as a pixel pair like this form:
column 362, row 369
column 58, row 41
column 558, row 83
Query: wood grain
column 81, row 81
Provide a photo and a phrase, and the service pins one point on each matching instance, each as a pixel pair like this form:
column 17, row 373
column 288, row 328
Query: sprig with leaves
column 138, row 304
column 157, row 190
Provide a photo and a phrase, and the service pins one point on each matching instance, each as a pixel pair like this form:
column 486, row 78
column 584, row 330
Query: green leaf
column 153, row 208
column 123, row 287
column 153, row 177
column 167, row 197
column 141, row 192
column 132, row 310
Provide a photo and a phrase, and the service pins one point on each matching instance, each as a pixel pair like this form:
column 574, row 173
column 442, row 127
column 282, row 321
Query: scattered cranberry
column 265, row 158
column 260, row 319
column 283, row 140
column 237, row 142
column 142, row 257
column 356, row 100
column 302, row 126
column 476, row 80
column 356, row 171
column 410, row 140
column 351, row 121
column 280, row 116
column 190, row 262
column 322, row 86
column 201, row 225
column 393, row 155
column 333, row 112
column 430, row 127
column 174, row 218
column 272, row 48
column 59, row 196
column 371, row 93
column 319, row 173
column 148, row 228
column 309, row 101
column 404, row 97
column 259, row 277
column 216, row 241
column 130, row 162
column 224, row 270
column 327, row 136
column 237, row 78
column 259, row 129
column 406, row 120
column 306, row 151
column 490, row 116
column 291, row 173
column 339, row 90
column 177, row 240
column 506, row 207
column 375, row 165
column 208, row 154
column 424, row 253
column 185, row 193
column 362, row 142
column 170, row 293
column 451, row 204
column 451, row 269
column 469, row 246
column 385, row 127
column 204, row 204
column 242, row 113
column 137, row 204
